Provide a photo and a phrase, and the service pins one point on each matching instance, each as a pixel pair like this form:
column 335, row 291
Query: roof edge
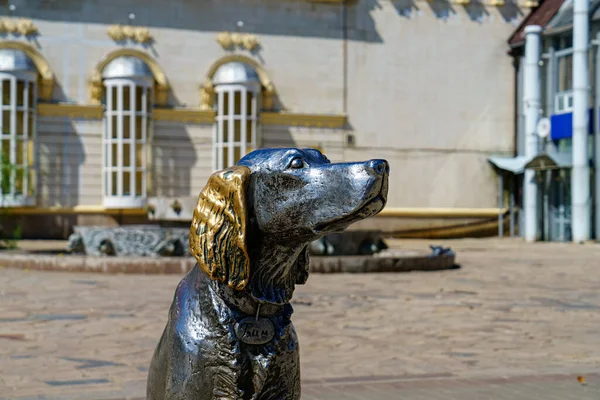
column 540, row 15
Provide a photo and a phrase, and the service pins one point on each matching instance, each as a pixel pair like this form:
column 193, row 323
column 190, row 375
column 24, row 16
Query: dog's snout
column 378, row 167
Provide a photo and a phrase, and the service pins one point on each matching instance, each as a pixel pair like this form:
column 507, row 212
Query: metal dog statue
column 229, row 334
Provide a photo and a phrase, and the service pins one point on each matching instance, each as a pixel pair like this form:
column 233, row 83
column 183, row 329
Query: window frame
column 563, row 99
column 248, row 115
column 124, row 199
column 29, row 137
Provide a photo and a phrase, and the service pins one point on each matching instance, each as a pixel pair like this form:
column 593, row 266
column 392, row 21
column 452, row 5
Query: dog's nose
column 378, row 167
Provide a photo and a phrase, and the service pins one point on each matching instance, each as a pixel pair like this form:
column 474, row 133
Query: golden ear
column 218, row 231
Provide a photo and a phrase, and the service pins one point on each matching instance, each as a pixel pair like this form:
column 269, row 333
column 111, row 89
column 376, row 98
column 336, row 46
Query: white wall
column 433, row 96
column 429, row 87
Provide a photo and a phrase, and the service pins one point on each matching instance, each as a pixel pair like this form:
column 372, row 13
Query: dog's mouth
column 366, row 210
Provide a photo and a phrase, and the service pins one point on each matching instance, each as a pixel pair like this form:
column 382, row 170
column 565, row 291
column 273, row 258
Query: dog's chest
column 254, row 364
column 252, row 352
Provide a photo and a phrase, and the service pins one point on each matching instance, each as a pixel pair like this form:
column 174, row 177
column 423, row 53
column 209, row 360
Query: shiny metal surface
column 12, row 60
column 235, row 72
column 127, row 67
column 250, row 235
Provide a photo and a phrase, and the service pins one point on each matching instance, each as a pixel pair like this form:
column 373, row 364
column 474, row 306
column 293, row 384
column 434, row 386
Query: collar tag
column 253, row 330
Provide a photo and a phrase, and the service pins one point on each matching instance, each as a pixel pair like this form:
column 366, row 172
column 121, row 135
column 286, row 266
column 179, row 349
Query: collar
column 244, row 305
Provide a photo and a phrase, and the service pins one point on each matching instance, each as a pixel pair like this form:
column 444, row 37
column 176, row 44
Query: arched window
column 18, row 76
column 128, row 105
column 237, row 89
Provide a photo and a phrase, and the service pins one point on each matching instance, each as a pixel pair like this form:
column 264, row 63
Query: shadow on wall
column 58, row 94
column 325, row 140
column 445, row 10
column 174, row 102
column 173, row 157
column 298, row 18
column 60, row 156
column 277, row 136
column 511, row 13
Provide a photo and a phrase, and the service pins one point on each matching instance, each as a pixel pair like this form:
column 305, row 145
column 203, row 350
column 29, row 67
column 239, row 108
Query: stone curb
column 371, row 264
column 180, row 265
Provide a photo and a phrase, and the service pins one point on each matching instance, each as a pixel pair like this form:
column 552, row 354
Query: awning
column 545, row 161
column 515, row 165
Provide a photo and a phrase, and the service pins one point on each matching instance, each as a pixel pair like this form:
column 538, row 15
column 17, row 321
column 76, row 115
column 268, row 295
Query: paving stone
column 516, row 321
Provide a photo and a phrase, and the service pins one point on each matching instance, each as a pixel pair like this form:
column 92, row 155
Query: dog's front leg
column 260, row 366
column 276, row 375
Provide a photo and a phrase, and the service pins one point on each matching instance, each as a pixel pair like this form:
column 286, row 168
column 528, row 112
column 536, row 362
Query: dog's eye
column 297, row 163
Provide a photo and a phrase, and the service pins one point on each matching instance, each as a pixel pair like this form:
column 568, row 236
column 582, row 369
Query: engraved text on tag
column 255, row 331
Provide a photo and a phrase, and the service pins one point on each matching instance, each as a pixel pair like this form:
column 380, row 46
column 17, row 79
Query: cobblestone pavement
column 516, row 321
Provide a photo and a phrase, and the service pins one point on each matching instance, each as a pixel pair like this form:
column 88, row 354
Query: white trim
column 130, row 196
column 17, row 201
column 243, row 122
column 564, row 52
column 237, row 122
column 28, row 134
column 124, row 202
column 563, row 102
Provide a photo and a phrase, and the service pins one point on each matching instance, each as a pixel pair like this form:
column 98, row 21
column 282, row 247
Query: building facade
column 116, row 112
column 554, row 160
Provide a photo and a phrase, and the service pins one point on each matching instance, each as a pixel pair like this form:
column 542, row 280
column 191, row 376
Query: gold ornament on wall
column 115, row 33
column 128, row 31
column 46, row 79
column 96, row 88
column 22, row 26
column 161, row 84
column 142, row 35
column 9, row 26
column 229, row 40
column 26, row 27
column 46, row 87
column 236, row 38
column 136, row 34
column 268, row 97
column 161, row 94
column 207, row 96
column 250, row 42
column 224, row 39
column 530, row 3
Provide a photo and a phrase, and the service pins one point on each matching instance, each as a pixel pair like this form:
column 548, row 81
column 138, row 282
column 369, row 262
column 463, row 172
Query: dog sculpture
column 229, row 334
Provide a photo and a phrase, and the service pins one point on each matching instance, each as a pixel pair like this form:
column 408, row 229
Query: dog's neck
column 273, row 271
column 243, row 302
column 272, row 281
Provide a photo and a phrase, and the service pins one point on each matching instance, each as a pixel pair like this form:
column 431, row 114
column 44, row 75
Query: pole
column 500, row 203
column 531, row 102
column 580, row 184
column 548, row 145
column 544, row 176
column 511, row 205
column 597, row 137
